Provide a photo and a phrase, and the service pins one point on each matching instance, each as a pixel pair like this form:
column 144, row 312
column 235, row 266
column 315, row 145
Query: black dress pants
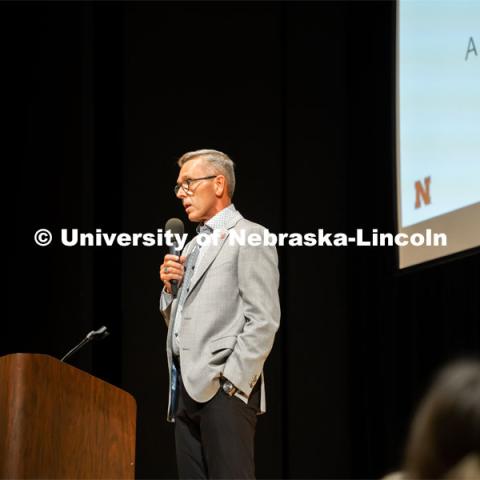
column 215, row 439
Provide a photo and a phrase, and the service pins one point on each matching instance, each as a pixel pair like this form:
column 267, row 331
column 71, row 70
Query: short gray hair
column 220, row 161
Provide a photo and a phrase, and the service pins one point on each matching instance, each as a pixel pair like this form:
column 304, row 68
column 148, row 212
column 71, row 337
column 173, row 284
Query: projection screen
column 438, row 125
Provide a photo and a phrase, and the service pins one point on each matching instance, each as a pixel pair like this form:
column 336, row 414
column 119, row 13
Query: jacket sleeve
column 166, row 299
column 258, row 279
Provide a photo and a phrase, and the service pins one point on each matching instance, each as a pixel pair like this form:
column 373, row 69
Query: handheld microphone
column 99, row 334
column 175, row 226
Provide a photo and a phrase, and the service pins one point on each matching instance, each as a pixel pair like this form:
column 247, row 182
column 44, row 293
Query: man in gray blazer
column 221, row 324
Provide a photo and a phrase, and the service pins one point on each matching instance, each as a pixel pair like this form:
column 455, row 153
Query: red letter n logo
column 422, row 192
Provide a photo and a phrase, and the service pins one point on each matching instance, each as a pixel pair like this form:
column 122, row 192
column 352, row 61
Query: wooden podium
column 57, row 421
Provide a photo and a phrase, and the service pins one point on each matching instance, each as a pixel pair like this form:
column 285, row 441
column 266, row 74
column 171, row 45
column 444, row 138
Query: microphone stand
column 99, row 334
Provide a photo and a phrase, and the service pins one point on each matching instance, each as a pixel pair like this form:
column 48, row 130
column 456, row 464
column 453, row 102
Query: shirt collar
column 218, row 221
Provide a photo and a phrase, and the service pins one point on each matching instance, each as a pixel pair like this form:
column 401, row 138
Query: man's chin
column 193, row 218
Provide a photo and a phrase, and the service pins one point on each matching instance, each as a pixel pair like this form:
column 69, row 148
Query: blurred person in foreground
column 444, row 440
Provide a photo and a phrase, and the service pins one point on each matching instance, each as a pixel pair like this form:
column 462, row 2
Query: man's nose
column 181, row 193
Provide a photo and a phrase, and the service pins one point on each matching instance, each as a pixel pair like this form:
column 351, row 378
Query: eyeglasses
column 187, row 183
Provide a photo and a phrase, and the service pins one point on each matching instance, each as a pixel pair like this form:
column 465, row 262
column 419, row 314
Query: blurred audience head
column 445, row 433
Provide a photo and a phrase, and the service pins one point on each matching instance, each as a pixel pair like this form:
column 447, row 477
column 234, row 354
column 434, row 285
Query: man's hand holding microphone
column 172, row 269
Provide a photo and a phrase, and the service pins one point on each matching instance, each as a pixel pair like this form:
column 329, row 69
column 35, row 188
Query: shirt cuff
column 165, row 299
column 242, row 397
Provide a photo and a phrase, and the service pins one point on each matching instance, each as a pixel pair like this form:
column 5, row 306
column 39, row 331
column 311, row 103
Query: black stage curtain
column 107, row 95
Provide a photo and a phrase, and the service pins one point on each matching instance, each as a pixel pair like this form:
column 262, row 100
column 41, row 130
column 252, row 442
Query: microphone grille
column 175, row 225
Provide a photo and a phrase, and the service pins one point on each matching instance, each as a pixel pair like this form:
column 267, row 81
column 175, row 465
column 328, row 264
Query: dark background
column 106, row 96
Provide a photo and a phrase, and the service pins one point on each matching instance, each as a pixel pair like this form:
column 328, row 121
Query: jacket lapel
column 212, row 252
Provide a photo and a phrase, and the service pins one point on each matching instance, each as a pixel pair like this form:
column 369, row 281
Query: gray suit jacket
column 230, row 315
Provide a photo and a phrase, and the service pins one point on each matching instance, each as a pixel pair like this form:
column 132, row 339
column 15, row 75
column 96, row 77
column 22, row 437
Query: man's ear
column 220, row 185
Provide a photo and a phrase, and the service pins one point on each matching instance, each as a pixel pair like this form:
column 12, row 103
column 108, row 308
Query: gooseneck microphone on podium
column 99, row 334
column 175, row 226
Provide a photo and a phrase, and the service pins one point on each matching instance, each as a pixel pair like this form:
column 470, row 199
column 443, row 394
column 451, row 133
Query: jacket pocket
column 222, row 343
